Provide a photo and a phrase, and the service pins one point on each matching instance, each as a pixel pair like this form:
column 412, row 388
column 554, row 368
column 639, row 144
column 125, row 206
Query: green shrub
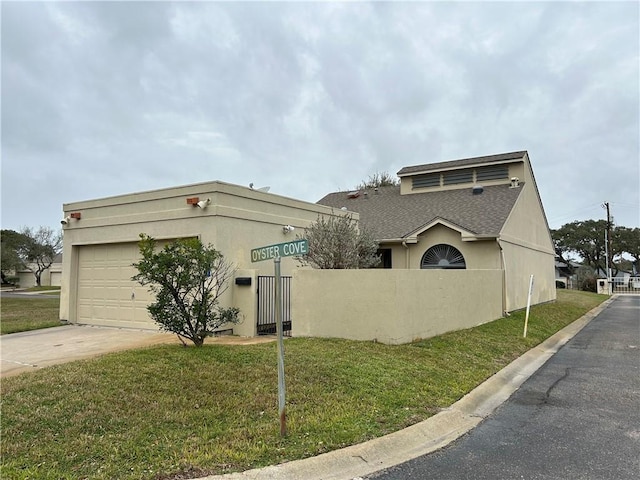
column 589, row 284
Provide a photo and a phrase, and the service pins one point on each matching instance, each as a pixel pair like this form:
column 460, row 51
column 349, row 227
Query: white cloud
column 106, row 98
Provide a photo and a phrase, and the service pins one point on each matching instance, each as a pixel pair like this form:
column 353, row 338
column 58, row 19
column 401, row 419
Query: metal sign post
column 526, row 317
column 287, row 249
column 281, row 386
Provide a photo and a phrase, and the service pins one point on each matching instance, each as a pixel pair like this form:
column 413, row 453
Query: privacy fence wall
column 392, row 306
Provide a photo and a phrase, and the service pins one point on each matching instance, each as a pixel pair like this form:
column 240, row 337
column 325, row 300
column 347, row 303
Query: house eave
column 449, row 169
column 479, row 238
column 462, row 163
column 412, row 238
column 399, row 240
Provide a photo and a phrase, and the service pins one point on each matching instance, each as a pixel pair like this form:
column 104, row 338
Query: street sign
column 275, row 252
column 287, row 249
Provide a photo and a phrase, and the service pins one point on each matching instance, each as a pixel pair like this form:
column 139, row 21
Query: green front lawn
column 172, row 412
column 27, row 313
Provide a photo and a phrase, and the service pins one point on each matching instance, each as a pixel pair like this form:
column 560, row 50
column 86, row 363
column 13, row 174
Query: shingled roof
column 387, row 215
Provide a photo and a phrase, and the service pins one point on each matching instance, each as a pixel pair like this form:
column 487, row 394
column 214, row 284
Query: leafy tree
column 335, row 242
column 188, row 279
column 12, row 248
column 628, row 241
column 41, row 249
column 587, row 240
column 378, row 179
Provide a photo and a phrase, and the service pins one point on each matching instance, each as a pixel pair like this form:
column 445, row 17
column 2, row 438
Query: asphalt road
column 578, row 417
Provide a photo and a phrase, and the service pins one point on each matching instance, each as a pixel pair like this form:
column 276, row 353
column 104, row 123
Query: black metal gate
column 267, row 305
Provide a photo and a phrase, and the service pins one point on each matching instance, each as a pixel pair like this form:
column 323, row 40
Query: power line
column 630, row 205
column 574, row 213
column 593, row 208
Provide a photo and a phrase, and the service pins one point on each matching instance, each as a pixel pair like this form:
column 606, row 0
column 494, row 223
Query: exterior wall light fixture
column 204, row 203
column 66, row 220
column 196, row 202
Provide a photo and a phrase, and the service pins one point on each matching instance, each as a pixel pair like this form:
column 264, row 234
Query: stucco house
column 474, row 213
column 51, row 277
column 460, row 238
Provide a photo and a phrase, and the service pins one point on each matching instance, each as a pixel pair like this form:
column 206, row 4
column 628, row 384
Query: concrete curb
column 425, row 437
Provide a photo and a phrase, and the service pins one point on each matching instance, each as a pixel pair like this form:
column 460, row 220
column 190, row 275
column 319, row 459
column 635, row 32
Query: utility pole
column 608, row 249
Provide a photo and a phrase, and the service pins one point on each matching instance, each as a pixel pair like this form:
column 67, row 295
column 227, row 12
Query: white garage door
column 106, row 294
column 56, row 279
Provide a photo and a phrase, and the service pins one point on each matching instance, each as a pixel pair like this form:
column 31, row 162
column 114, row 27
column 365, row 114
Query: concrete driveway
column 28, row 351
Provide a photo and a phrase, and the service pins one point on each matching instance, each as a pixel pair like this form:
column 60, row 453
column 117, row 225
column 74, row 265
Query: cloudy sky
column 109, row 98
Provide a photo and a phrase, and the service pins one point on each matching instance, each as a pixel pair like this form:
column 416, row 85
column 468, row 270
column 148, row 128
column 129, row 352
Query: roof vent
column 515, row 182
column 353, row 194
column 477, row 189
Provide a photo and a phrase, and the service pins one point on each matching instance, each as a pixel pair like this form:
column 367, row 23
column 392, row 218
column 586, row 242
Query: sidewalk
column 356, row 461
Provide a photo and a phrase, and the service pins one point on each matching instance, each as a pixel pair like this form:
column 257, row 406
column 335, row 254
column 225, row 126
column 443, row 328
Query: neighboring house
column 566, row 274
column 475, row 213
column 50, row 277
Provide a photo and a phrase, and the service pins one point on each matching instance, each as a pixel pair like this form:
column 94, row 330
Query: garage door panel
column 123, row 295
column 140, row 315
column 56, row 279
column 106, row 293
column 84, row 311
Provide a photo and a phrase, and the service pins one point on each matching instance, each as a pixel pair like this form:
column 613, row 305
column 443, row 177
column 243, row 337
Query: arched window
column 443, row 256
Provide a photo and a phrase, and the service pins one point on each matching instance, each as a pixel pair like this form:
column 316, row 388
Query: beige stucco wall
column 528, row 249
column 244, row 297
column 400, row 256
column 237, row 220
column 392, row 306
column 521, row 264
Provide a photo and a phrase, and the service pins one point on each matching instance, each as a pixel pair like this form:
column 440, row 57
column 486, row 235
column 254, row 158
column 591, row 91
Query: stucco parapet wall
column 170, row 204
column 393, row 306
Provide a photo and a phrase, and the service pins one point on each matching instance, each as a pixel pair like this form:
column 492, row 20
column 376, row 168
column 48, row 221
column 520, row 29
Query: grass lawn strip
column 172, row 412
column 26, row 313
